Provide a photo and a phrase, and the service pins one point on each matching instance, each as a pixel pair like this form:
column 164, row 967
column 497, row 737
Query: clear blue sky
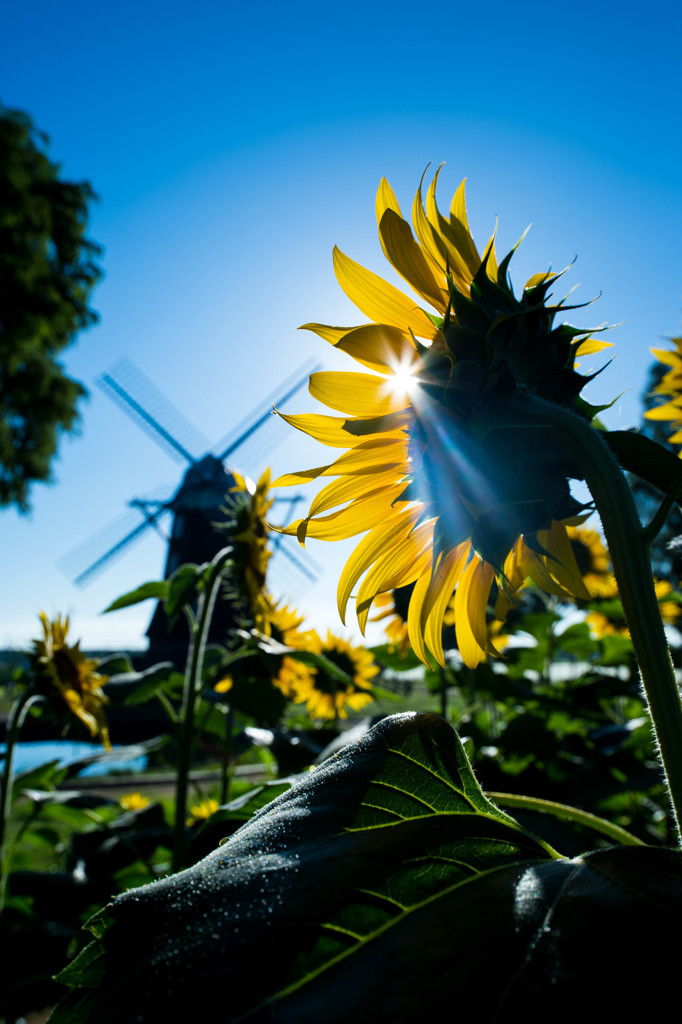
column 232, row 145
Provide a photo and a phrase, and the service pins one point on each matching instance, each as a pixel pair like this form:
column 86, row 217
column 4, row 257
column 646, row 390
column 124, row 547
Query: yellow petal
column 359, row 516
column 377, row 542
column 334, row 431
column 401, row 564
column 459, row 225
column 358, row 394
column 377, row 346
column 331, row 334
column 414, row 617
column 386, row 200
column 589, row 346
column 380, row 300
column 665, row 356
column 432, row 245
column 452, row 236
column 380, row 348
column 348, row 488
column 667, row 411
column 403, row 252
column 471, row 598
column 563, row 565
column 367, row 457
column 372, row 457
column 445, row 579
column 304, row 476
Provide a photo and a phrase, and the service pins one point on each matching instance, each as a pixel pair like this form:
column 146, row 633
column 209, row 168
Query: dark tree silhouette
column 47, row 272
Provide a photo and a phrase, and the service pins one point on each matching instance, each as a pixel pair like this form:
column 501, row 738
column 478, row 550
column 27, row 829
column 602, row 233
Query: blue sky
column 233, row 145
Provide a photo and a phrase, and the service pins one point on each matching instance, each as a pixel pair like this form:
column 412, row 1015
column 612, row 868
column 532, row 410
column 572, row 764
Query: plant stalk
column 14, row 724
column 191, row 693
column 628, row 546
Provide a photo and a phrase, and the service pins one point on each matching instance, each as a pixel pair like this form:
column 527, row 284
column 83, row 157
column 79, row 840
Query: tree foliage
column 47, row 271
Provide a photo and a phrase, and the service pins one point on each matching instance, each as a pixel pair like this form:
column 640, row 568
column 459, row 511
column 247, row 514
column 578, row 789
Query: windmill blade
column 259, row 419
column 135, row 394
column 307, row 567
column 85, row 562
column 289, row 574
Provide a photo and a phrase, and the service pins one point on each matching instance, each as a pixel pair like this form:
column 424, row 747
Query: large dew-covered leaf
column 383, row 887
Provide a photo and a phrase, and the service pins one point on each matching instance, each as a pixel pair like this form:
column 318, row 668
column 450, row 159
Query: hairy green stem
column 629, row 550
column 14, row 724
column 566, row 813
column 191, row 693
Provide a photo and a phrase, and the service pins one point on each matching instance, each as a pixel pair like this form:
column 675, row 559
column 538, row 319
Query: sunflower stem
column 15, row 721
column 191, row 693
column 629, row 549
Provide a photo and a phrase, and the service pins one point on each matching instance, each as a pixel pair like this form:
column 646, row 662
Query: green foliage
column 47, row 272
column 382, row 883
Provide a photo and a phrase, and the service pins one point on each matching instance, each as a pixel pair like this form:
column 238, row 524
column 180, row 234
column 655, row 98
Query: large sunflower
column 449, row 482
column 63, row 670
column 671, row 386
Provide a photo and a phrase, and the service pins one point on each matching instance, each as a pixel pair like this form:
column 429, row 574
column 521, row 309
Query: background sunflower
column 326, row 694
column 62, row 670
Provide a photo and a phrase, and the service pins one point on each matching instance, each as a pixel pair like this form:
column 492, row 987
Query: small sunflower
column 671, row 386
column 62, row 669
column 602, row 624
column 324, row 695
column 441, row 474
column 593, row 561
column 202, row 811
column 670, row 610
column 394, row 607
column 293, row 676
column 134, row 802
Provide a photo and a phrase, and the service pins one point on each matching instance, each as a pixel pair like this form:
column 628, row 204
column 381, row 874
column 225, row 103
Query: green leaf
column 115, row 664
column 254, row 696
column 616, row 650
column 322, row 885
column 322, row 662
column 245, row 806
column 182, row 589
column 388, row 657
column 577, row 642
column 644, row 457
column 45, row 776
column 131, row 688
column 157, row 589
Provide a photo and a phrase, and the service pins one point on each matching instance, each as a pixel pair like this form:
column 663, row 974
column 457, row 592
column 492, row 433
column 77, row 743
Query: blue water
column 31, row 755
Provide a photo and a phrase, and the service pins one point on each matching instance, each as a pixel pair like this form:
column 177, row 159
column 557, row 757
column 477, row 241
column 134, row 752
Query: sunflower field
column 483, row 812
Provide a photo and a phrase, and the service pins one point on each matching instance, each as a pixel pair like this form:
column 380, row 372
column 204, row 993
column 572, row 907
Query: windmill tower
column 197, row 506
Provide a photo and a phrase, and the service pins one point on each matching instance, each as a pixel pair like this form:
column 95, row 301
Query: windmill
column 196, row 505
